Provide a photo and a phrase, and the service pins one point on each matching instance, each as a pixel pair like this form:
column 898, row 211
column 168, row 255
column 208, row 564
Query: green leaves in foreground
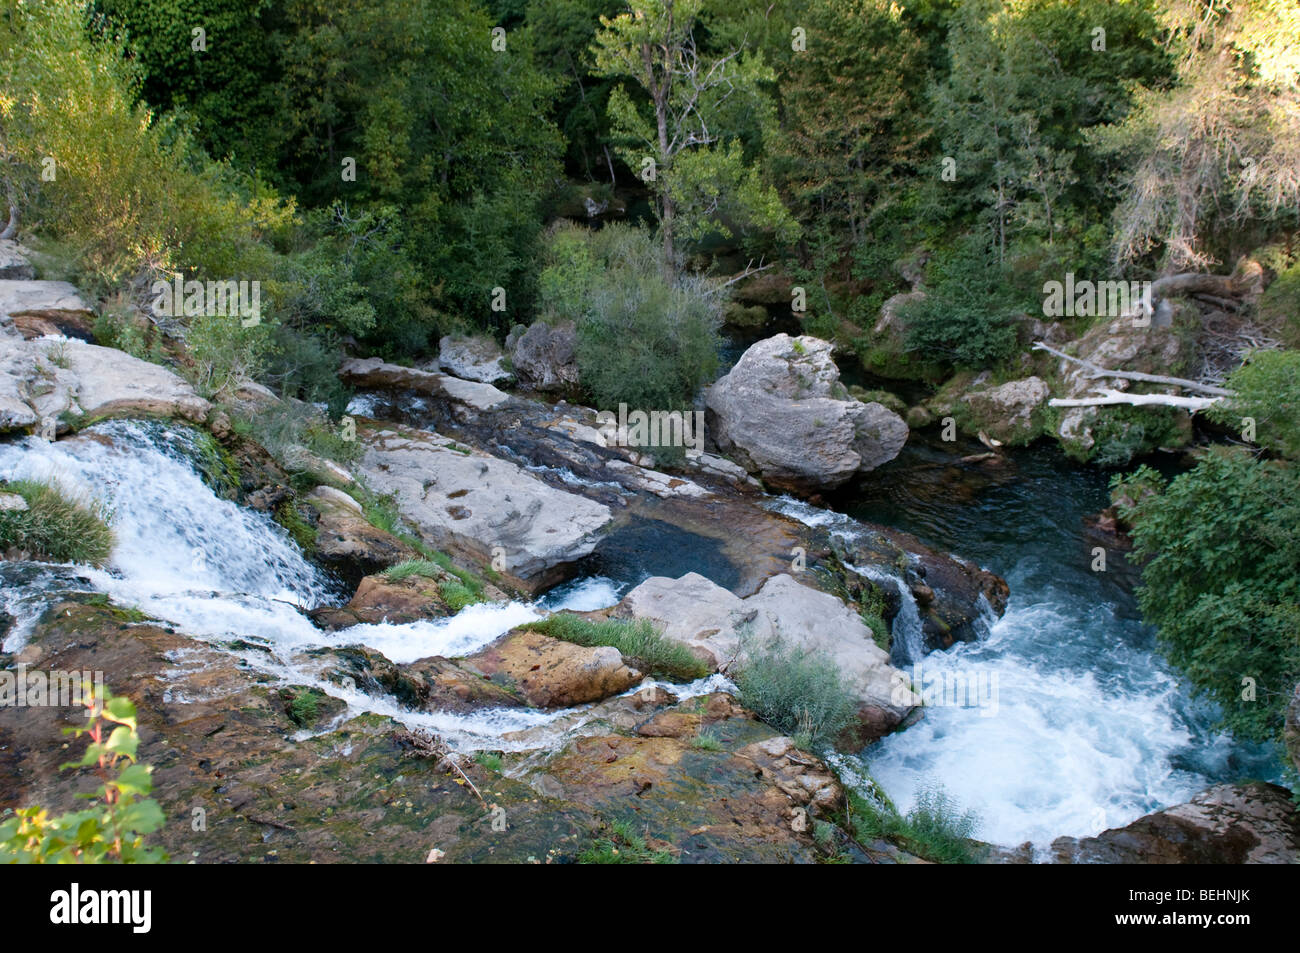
column 114, row 829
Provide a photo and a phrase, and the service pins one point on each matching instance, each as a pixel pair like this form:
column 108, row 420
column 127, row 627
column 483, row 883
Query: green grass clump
column 413, row 567
column 637, row 640
column 624, row 846
column 463, row 589
column 795, row 690
column 489, row 760
column 707, row 740
column 933, row 829
column 55, row 526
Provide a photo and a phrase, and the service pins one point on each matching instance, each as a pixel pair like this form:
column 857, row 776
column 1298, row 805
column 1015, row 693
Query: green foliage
column 285, row 426
column 796, row 690
column 304, row 708
column 1279, row 305
column 489, row 760
column 131, row 192
column 413, row 567
column 114, row 830
column 623, row 845
column 642, row 339
column 1220, row 557
column 706, row 740
column 1267, row 388
column 55, row 526
column 933, row 829
column 965, row 317
column 644, row 647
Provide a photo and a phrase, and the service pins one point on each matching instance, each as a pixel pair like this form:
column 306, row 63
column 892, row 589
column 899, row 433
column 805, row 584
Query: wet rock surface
column 1254, row 823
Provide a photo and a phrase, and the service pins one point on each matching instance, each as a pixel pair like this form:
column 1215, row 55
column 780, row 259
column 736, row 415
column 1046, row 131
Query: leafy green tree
column 1220, row 553
column 438, row 124
column 852, row 113
column 697, row 169
column 227, row 84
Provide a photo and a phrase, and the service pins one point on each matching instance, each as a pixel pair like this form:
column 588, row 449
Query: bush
column 1268, row 391
column 795, row 690
column 114, row 830
column 965, row 316
column 131, row 192
column 638, row 641
column 933, row 829
column 1221, row 579
column 642, row 340
column 55, row 526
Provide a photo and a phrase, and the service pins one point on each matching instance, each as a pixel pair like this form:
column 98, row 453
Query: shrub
column 55, row 526
column 637, row 640
column 933, row 829
column 1221, row 579
column 795, row 690
column 114, row 830
column 965, row 316
column 1268, row 391
column 642, row 340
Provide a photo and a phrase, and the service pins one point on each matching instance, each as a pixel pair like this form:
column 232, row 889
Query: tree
column 851, row 113
column 1220, row 148
column 1220, row 553
column 695, row 167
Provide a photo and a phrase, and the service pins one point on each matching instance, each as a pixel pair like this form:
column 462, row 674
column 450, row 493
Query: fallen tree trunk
column 1097, row 371
column 1221, row 286
column 1110, row 396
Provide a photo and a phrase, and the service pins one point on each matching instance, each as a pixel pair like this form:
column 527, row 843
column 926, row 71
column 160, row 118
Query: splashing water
column 221, row 572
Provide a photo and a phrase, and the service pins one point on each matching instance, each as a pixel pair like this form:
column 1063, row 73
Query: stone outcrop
column 345, row 538
column 374, row 372
column 544, row 356
column 718, row 627
column 473, row 359
column 43, row 379
column 1165, row 349
column 1254, row 823
column 14, row 265
column 486, row 508
column 782, row 413
column 379, row 599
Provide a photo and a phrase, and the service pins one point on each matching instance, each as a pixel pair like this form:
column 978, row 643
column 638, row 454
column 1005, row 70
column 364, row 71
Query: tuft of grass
column 413, row 567
column 638, row 640
column 707, row 740
column 304, row 708
column 55, row 526
column 933, row 829
column 795, row 690
column 457, row 595
column 303, row 533
column 490, row 761
column 624, row 845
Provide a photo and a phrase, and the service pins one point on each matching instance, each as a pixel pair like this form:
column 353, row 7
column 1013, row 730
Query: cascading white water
column 1061, row 720
column 222, row 572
